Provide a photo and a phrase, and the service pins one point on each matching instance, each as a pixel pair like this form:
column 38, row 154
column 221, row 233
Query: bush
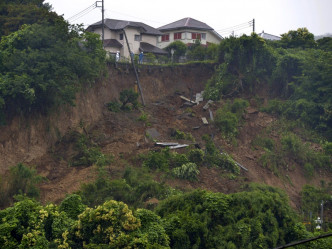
column 226, row 122
column 157, row 160
column 196, row 156
column 113, row 106
column 188, row 171
column 129, row 97
column 21, row 180
column 72, row 205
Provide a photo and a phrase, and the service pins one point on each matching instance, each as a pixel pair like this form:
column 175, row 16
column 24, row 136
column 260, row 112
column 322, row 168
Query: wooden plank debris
column 172, row 145
column 188, row 100
column 241, row 166
column 166, row 144
column 205, row 121
column 178, row 146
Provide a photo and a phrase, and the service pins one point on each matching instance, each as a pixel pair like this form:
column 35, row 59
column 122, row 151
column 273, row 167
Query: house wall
column 186, row 37
column 152, row 39
column 130, row 32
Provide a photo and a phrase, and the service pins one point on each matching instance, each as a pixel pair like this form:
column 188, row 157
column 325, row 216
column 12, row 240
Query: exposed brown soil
column 46, row 141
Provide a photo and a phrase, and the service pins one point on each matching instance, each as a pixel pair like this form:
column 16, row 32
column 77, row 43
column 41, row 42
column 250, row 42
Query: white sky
column 273, row 16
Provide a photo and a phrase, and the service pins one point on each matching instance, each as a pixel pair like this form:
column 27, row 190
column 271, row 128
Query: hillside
column 47, row 142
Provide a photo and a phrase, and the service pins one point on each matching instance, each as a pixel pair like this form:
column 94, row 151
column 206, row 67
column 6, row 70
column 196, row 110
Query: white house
column 141, row 37
column 188, row 30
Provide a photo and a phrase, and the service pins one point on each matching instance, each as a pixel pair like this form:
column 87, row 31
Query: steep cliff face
column 26, row 139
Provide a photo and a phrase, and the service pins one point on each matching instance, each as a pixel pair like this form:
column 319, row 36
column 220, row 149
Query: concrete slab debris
column 207, row 105
column 152, row 133
column 199, row 97
column 211, row 115
column 205, row 121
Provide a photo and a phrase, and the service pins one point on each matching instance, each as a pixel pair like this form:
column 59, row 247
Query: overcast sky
column 273, row 16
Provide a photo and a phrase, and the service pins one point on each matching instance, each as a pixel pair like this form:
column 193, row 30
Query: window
column 138, row 37
column 177, row 36
column 165, row 37
column 195, row 36
column 203, row 36
column 121, row 37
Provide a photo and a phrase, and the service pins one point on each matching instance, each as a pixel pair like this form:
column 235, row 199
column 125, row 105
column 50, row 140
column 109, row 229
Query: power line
column 242, row 25
column 133, row 16
column 82, row 13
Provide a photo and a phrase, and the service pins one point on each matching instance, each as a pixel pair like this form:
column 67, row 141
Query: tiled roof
column 188, row 23
column 114, row 24
column 148, row 48
column 112, row 43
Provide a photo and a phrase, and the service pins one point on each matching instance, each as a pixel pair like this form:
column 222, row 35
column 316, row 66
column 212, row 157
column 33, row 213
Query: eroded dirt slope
column 46, row 142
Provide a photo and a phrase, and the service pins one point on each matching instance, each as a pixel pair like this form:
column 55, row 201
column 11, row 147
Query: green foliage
column 15, row 13
column 311, row 198
column 245, row 62
column 325, row 43
column 227, row 122
column 135, row 188
column 292, row 149
column 257, row 218
column 182, row 135
column 128, row 97
column 264, row 142
column 228, row 117
column 44, row 65
column 29, row 225
column 300, row 38
column 196, row 156
column 157, row 160
column 188, row 171
column 179, row 48
column 21, row 180
column 72, row 205
column 113, row 106
column 89, row 154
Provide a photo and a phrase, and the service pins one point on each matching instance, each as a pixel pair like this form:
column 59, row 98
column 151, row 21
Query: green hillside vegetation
column 44, row 62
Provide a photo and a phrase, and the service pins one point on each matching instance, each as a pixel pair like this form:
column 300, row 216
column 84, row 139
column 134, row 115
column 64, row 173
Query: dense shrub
column 21, row 180
column 188, row 171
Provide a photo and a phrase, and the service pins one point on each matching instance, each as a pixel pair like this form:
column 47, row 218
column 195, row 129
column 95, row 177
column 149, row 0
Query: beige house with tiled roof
column 187, row 30
column 141, row 37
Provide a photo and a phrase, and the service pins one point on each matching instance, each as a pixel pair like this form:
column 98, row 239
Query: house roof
column 148, row 48
column 114, row 24
column 112, row 43
column 188, row 23
column 267, row 36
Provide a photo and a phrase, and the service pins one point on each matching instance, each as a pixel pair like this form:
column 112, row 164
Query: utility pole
column 102, row 19
column 133, row 63
column 103, row 22
column 253, row 25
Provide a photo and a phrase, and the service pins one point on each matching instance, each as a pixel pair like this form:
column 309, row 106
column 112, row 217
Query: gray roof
column 114, row 24
column 148, row 48
column 267, row 36
column 187, row 23
column 112, row 43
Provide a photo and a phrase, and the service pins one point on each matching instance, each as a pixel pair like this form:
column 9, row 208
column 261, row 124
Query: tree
column 15, row 13
column 42, row 66
column 300, row 38
column 179, row 48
